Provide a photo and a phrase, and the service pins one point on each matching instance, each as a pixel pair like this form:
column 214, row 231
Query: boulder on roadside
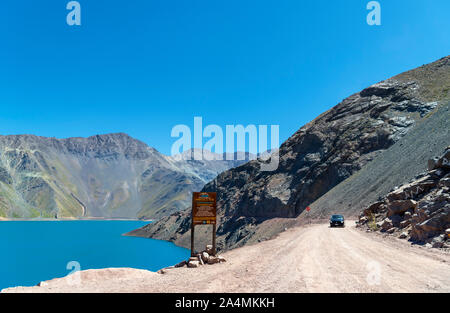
column 403, row 235
column 438, row 241
column 405, row 223
column 209, row 249
column 400, row 206
column 199, row 257
column 396, row 195
column 213, row 260
column 396, row 219
column 193, row 264
column 385, row 224
column 374, row 208
column 407, row 215
column 420, row 186
column 430, row 227
column 205, row 256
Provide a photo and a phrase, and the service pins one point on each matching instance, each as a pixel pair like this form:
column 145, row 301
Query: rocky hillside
column 402, row 162
column 318, row 157
column 418, row 211
column 110, row 175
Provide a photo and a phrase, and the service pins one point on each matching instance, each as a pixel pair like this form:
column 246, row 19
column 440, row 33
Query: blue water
column 34, row 251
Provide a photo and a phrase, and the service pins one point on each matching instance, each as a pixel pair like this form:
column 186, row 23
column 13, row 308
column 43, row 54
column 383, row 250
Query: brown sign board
column 204, row 208
column 204, row 212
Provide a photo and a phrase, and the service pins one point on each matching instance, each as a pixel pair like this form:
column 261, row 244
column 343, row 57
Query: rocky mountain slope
column 108, row 176
column 418, row 211
column 402, row 162
column 318, row 157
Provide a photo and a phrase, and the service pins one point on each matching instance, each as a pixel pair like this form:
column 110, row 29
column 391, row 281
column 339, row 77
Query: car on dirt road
column 337, row 220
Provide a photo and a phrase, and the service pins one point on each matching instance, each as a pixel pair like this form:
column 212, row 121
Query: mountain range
column 106, row 176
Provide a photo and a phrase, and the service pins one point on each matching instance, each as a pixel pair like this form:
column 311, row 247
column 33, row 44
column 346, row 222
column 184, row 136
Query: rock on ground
column 420, row 209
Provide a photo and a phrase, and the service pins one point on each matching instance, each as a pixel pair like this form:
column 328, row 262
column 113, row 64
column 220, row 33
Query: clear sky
column 144, row 66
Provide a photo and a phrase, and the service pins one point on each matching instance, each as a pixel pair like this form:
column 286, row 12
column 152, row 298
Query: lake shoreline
column 41, row 251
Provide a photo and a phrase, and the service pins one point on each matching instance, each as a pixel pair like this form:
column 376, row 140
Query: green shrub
column 372, row 222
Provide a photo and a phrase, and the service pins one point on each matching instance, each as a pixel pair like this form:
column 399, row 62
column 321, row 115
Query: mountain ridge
column 108, row 175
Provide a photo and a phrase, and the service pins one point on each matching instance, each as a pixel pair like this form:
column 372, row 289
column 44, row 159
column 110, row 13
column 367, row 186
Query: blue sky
column 144, row 66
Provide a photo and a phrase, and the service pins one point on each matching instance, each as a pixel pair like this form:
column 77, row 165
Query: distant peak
column 114, row 135
column 97, row 145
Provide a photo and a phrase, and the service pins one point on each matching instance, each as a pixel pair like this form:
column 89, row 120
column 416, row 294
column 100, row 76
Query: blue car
column 337, row 220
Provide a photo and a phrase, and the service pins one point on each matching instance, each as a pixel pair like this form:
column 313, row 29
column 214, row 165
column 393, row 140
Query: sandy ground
column 312, row 258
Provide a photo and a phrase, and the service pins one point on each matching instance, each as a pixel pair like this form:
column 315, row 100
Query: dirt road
column 313, row 258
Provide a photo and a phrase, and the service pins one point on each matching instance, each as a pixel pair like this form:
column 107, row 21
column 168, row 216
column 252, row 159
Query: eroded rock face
column 317, row 157
column 419, row 211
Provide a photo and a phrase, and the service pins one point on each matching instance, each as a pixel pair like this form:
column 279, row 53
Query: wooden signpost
column 204, row 212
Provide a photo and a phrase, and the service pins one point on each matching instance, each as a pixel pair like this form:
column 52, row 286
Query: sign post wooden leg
column 214, row 239
column 192, row 240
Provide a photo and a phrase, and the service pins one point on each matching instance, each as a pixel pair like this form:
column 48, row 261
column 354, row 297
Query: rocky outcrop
column 418, row 211
column 111, row 175
column 204, row 257
column 319, row 156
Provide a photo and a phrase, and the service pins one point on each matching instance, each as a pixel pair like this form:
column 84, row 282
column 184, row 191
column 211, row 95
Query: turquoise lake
column 34, row 251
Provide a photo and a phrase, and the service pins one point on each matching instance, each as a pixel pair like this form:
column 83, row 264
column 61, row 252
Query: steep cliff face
column 320, row 155
column 109, row 175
